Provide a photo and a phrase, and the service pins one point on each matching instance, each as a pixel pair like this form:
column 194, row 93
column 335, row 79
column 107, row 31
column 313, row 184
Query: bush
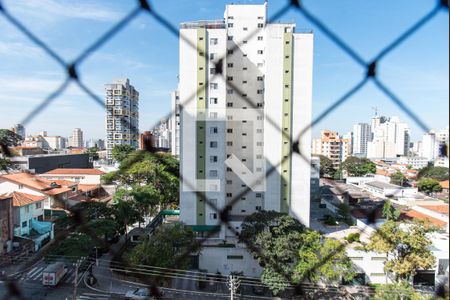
column 353, row 237
column 331, row 221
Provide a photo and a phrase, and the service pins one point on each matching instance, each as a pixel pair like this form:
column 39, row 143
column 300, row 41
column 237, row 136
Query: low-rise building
column 388, row 190
column 417, row 162
column 44, row 163
column 82, row 176
column 27, row 218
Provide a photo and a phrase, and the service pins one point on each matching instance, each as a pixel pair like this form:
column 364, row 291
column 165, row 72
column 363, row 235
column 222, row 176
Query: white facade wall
column 361, row 136
column 249, row 137
column 79, row 178
column 175, row 123
column 9, row 187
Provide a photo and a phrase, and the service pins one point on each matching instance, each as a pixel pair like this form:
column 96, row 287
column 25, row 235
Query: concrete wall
column 45, row 163
column 227, row 260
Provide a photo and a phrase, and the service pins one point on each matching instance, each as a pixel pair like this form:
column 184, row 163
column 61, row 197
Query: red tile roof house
column 27, row 215
column 56, row 192
column 89, row 181
column 83, row 176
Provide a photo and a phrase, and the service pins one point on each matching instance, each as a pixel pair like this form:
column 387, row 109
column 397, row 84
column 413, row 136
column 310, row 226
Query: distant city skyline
column 28, row 75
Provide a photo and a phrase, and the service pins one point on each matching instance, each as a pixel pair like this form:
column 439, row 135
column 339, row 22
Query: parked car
column 139, row 294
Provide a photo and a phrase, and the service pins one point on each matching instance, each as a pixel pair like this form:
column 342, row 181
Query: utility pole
column 233, row 284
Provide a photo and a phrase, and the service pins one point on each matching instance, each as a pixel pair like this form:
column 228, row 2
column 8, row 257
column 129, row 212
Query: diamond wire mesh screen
column 144, row 7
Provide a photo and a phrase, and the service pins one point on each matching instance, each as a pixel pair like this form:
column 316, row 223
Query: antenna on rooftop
column 375, row 109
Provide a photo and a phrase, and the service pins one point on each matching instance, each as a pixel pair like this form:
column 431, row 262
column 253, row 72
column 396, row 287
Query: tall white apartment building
column 390, row 139
column 361, row 136
column 122, row 115
column 174, row 123
column 231, row 137
column 19, row 129
column 76, row 140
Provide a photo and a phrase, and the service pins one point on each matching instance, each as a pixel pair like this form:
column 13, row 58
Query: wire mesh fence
column 144, row 7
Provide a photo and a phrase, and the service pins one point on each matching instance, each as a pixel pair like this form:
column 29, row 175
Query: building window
column 229, row 181
column 211, row 57
column 260, row 25
column 214, row 85
column 213, row 115
column 213, row 173
column 235, row 257
column 230, row 91
column 260, row 38
column 229, row 195
column 229, row 143
column 213, row 216
column 20, row 186
column 229, row 130
column 230, row 37
column 245, row 28
column 213, row 158
column 230, row 51
column 230, row 25
column 260, row 51
column 260, row 78
column 230, row 78
column 213, row 144
column 229, row 169
column 244, row 82
column 24, row 224
column 27, row 209
column 258, row 208
column 38, row 205
column 213, row 41
column 213, row 130
column 230, row 65
column 212, row 71
column 259, row 92
column 213, row 100
column 229, row 104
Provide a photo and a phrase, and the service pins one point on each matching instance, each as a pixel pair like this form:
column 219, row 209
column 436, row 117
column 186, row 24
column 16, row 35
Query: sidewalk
column 105, row 277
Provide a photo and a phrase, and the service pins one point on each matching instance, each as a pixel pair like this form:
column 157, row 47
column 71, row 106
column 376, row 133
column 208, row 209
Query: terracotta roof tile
column 88, row 187
column 21, row 199
column 444, row 184
column 413, row 214
column 36, row 183
column 75, row 172
column 442, row 209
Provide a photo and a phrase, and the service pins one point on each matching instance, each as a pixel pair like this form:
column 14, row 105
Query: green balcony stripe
column 200, row 123
column 286, row 123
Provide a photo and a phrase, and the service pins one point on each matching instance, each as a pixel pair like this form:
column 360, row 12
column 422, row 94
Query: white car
column 139, row 294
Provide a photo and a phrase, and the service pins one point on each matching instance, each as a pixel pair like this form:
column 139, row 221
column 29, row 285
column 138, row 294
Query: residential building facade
column 331, row 145
column 76, row 140
column 361, row 136
column 174, row 123
column 390, row 139
column 122, row 115
column 237, row 126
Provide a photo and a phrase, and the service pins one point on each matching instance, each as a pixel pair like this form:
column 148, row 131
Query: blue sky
column 417, row 71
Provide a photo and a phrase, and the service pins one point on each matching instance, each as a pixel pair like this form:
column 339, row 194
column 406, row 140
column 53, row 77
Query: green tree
column 120, row 152
column 429, row 185
column 146, row 199
column 344, row 213
column 288, row 251
column 93, row 153
column 322, row 259
column 398, row 178
column 8, row 139
column 159, row 170
column 126, row 214
column 326, row 167
column 397, row 291
column 165, row 248
column 355, row 166
column 438, row 173
column 390, row 212
column 406, row 247
column 5, row 163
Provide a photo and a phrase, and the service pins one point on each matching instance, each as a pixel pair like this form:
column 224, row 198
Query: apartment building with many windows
column 122, row 115
column 240, row 124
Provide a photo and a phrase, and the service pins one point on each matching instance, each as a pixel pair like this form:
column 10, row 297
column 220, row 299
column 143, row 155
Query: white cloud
column 53, row 9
